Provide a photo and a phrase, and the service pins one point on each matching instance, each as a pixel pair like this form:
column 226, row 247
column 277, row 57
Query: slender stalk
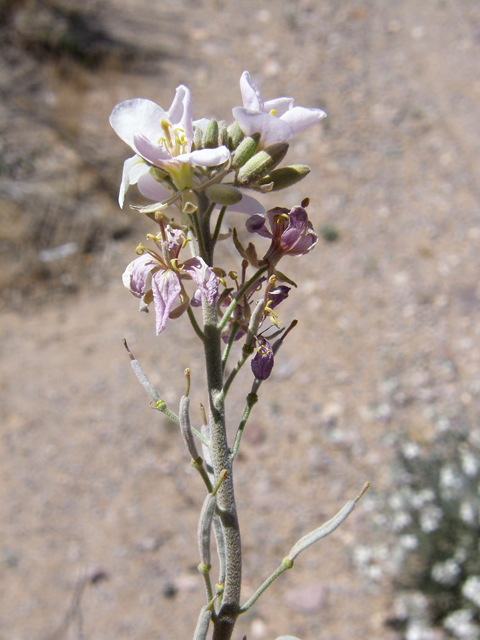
column 195, row 325
column 218, row 225
column 231, row 340
column 256, row 276
column 246, row 353
column 286, row 564
column 201, row 245
column 252, row 400
column 205, row 213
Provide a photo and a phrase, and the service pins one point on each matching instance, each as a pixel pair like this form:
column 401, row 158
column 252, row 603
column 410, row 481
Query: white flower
column 460, row 624
column 471, row 589
column 408, row 541
column 446, row 573
column 276, row 120
column 430, row 518
column 468, row 512
column 162, row 139
column 470, row 463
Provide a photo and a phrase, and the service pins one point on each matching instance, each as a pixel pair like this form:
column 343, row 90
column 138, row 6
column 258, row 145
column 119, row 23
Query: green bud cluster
column 255, row 168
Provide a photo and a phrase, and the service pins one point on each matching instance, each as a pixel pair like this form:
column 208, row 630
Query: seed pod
column 235, row 136
column 261, row 164
column 186, row 429
column 223, row 194
column 245, row 150
column 285, row 176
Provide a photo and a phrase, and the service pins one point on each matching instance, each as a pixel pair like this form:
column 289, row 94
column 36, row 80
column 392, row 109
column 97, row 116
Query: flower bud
column 235, row 136
column 210, row 136
column 222, row 134
column 224, row 194
column 262, row 163
column 285, row 176
column 245, row 150
column 198, row 138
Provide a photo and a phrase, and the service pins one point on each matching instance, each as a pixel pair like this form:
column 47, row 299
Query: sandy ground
column 93, row 481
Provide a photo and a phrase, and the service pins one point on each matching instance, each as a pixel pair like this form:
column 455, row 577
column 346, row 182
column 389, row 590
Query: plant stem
column 226, row 508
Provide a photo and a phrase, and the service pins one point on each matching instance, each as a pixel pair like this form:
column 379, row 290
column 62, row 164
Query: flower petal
column 201, row 124
column 133, row 169
column 300, row 118
column 137, row 117
column 262, row 363
column 204, row 278
column 247, row 205
column 281, row 106
column 256, row 224
column 166, row 289
column 278, row 295
column 153, row 153
column 205, row 157
column 196, row 300
column 152, row 189
column 181, row 111
column 272, row 129
column 251, row 96
column 135, row 275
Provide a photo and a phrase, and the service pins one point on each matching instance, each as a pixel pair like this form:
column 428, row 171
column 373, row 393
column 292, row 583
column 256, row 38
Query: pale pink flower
column 156, row 276
column 276, row 120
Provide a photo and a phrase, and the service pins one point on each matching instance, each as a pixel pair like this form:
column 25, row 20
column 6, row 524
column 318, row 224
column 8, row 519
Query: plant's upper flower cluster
column 168, row 149
column 175, row 159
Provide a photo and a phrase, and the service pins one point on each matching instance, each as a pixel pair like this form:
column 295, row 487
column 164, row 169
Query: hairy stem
column 226, row 509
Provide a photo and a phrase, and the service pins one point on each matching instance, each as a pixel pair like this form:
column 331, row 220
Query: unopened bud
column 198, row 138
column 222, row 134
column 223, row 194
column 245, row 150
column 262, row 163
column 235, row 136
column 285, row 176
column 210, row 136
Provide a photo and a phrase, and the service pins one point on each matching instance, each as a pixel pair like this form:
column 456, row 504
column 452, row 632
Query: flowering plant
column 198, row 167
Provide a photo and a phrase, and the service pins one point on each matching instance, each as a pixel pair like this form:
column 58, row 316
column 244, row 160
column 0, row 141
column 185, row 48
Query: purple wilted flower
column 156, row 276
column 276, row 120
column 162, row 139
column 262, row 363
column 291, row 232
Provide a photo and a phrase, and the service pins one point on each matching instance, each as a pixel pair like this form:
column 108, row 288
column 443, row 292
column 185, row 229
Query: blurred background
column 379, row 382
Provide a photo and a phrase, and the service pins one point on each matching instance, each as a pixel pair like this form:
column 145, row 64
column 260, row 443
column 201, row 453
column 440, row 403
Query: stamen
column 272, row 112
column 174, row 265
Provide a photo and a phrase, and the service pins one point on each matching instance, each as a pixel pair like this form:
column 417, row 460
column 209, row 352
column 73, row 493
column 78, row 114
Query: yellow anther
column 184, row 241
column 140, row 250
column 174, row 265
column 272, row 112
column 165, row 124
column 233, row 275
column 281, row 217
